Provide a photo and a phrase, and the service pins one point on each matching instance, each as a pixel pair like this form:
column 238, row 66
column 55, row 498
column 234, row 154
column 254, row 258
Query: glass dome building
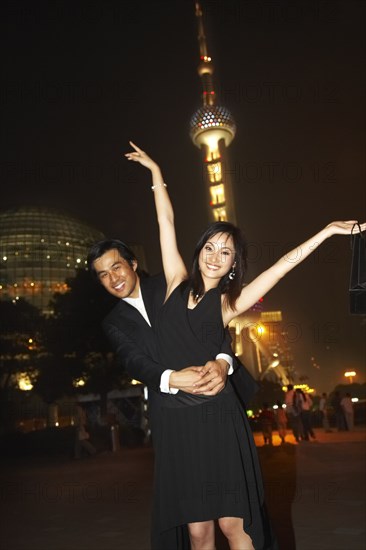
column 39, row 249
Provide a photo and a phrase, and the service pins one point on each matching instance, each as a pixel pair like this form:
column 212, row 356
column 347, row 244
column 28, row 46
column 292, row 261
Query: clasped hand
column 209, row 379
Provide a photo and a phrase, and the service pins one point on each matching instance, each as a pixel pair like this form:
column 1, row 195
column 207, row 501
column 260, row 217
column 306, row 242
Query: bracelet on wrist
column 158, row 185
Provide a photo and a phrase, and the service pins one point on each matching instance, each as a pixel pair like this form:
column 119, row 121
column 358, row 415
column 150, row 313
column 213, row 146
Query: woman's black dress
column 206, row 464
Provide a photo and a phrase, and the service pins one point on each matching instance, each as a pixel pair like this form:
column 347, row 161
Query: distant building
column 39, row 249
column 262, row 342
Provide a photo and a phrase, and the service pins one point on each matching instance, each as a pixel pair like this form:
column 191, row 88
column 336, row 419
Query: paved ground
column 316, row 491
column 315, row 494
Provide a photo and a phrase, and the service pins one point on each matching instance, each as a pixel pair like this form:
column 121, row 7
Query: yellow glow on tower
column 212, row 130
column 217, row 195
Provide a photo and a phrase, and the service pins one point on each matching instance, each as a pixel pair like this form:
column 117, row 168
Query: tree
column 76, row 324
column 75, row 336
column 20, row 343
column 54, row 379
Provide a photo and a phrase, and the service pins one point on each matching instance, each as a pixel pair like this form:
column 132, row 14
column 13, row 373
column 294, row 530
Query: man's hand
column 213, row 379
column 186, row 379
column 207, row 380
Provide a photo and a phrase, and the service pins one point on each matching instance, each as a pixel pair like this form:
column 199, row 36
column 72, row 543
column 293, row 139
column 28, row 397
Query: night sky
column 82, row 78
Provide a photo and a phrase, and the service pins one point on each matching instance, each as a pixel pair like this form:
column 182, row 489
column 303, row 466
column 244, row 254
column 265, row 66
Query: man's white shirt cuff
column 228, row 359
column 164, row 383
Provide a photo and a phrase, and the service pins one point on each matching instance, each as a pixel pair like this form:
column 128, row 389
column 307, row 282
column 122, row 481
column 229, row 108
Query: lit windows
column 217, row 194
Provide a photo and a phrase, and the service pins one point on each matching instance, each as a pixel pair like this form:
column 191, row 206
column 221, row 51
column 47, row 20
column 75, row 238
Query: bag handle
column 362, row 236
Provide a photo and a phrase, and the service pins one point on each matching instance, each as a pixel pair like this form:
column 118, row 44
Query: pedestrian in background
column 281, row 422
column 81, row 434
column 266, row 418
column 292, row 413
column 323, row 408
column 347, row 406
column 339, row 412
column 303, row 403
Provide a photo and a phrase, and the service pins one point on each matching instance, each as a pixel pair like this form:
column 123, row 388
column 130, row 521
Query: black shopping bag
column 357, row 284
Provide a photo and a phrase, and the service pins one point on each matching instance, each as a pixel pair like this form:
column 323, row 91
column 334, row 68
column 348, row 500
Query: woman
column 206, row 463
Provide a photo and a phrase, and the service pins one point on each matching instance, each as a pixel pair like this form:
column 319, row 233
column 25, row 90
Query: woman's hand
column 345, row 228
column 140, row 156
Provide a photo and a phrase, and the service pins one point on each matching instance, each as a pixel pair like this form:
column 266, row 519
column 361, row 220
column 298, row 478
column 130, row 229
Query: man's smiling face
column 117, row 276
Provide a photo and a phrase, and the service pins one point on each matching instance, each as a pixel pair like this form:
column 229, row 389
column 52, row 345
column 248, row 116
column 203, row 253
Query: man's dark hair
column 101, row 247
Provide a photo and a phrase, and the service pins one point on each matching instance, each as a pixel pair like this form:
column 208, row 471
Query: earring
column 232, row 273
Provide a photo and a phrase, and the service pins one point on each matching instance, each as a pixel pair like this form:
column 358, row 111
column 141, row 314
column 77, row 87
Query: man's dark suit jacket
column 133, row 341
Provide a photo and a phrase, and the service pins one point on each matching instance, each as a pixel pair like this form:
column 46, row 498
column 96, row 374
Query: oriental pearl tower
column 212, row 129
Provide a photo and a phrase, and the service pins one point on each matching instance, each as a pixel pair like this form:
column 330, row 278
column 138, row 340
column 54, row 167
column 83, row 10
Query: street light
column 24, row 382
column 350, row 374
column 255, row 332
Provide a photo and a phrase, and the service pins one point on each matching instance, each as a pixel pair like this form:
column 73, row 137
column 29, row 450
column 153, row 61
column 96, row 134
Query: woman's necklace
column 197, row 297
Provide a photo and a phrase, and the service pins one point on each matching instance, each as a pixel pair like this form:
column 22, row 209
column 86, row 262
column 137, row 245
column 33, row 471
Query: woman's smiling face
column 217, row 256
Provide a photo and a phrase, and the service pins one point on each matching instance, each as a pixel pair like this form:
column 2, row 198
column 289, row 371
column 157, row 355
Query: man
column 347, row 406
column 339, row 412
column 292, row 413
column 323, row 404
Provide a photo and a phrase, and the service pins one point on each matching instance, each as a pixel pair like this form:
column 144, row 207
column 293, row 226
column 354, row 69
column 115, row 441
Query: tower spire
column 201, row 32
column 212, row 130
column 205, row 68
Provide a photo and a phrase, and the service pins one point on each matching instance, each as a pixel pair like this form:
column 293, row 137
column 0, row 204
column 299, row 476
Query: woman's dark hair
column 101, row 247
column 231, row 288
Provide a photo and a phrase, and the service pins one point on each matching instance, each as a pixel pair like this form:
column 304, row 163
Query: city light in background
column 350, row 375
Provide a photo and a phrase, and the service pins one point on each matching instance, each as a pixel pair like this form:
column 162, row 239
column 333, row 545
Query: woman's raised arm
column 174, row 268
column 269, row 278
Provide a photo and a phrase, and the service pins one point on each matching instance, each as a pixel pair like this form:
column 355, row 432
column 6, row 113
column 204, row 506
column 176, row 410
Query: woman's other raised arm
column 269, row 278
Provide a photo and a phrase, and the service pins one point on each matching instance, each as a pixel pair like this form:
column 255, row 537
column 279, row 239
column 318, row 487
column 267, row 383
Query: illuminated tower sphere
column 40, row 249
column 212, row 129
